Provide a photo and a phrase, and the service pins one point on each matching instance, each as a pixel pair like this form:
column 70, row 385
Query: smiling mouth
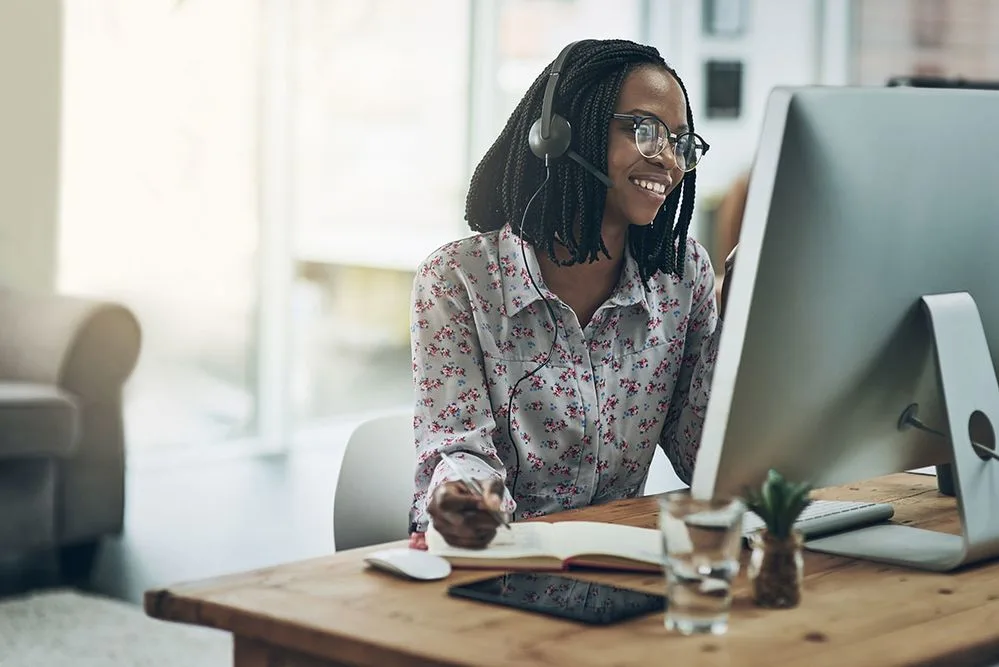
column 650, row 186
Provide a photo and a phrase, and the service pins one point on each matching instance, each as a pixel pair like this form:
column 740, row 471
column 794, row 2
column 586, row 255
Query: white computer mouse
column 411, row 563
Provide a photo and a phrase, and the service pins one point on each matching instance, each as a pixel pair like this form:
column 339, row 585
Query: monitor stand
column 971, row 400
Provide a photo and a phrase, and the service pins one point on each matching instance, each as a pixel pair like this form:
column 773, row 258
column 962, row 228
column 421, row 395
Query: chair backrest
column 661, row 476
column 374, row 490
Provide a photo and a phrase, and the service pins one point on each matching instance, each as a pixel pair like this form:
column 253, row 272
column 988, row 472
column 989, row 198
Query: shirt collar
column 518, row 292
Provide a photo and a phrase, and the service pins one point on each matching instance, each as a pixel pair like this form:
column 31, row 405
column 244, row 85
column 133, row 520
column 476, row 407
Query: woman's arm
column 681, row 434
column 453, row 412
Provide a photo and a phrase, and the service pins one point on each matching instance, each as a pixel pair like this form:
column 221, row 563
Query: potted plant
column 776, row 566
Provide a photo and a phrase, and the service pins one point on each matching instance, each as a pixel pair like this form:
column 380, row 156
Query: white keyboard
column 828, row 516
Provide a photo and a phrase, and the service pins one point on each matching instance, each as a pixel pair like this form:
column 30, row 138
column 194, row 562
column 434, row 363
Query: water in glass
column 702, row 540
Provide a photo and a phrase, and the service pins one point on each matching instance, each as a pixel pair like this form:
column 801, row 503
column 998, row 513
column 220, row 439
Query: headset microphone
column 551, row 134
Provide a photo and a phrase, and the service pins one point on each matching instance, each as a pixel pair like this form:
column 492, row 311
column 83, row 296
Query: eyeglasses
column 652, row 137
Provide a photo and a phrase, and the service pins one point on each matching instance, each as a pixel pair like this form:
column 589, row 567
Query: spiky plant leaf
column 778, row 503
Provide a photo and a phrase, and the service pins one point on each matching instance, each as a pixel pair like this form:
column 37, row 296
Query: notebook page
column 522, row 540
column 576, row 538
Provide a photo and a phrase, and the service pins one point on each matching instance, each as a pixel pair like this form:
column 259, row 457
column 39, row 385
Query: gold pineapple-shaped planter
column 776, row 566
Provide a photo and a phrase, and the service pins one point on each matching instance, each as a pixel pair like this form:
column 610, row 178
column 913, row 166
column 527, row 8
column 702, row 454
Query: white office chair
column 374, row 490
column 661, row 476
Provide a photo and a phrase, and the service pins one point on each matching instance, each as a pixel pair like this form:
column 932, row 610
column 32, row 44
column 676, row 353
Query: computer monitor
column 945, row 474
column 863, row 201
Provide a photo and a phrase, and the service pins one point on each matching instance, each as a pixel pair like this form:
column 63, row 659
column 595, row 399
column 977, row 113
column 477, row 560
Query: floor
column 200, row 520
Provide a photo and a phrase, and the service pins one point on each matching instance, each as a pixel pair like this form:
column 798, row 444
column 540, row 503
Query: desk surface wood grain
column 333, row 610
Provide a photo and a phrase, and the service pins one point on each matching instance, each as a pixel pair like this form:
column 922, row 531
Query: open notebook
column 541, row 546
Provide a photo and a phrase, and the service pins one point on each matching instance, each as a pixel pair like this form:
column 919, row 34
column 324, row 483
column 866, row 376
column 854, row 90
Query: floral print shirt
column 583, row 428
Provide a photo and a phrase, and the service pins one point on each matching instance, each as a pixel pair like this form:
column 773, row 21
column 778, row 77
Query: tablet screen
column 565, row 597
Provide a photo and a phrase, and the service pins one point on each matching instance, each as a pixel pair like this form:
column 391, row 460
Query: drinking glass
column 703, row 540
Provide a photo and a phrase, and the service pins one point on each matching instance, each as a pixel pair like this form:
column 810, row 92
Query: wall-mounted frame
column 929, row 23
column 723, row 88
column 724, row 18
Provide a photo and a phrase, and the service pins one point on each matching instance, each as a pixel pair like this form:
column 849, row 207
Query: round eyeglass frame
column 672, row 138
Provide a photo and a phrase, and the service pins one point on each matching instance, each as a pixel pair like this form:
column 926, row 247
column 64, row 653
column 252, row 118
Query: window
column 723, row 87
column 159, row 182
column 378, row 118
column 379, row 129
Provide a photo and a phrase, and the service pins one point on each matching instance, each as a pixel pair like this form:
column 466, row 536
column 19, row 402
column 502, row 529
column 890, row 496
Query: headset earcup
column 558, row 139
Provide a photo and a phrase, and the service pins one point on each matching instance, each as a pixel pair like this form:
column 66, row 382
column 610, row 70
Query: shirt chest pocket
column 638, row 387
column 653, row 357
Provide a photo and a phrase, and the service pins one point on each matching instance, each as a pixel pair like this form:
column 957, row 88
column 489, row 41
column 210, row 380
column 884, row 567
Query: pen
column 474, row 487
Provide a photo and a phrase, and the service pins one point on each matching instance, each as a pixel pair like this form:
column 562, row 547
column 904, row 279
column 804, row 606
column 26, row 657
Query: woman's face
column 642, row 184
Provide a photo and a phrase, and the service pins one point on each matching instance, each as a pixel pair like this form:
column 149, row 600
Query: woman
column 554, row 350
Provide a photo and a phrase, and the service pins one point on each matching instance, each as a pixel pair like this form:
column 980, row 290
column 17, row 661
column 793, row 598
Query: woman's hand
column 726, row 280
column 461, row 517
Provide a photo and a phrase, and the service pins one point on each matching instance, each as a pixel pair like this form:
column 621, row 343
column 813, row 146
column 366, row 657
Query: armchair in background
column 63, row 363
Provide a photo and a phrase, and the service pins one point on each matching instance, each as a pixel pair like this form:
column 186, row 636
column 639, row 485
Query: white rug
column 66, row 628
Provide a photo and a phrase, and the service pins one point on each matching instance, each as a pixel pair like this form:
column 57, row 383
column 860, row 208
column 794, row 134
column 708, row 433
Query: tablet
column 561, row 596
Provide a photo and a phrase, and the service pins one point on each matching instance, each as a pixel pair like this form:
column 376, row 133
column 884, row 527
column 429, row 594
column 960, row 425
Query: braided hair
column 587, row 93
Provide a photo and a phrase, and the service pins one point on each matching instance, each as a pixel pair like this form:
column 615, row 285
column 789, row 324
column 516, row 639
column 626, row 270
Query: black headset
column 551, row 134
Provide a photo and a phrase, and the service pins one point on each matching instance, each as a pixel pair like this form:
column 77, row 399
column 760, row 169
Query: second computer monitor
column 861, row 201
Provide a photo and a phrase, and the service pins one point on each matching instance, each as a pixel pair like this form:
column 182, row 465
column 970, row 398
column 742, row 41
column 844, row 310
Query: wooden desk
column 333, row 611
